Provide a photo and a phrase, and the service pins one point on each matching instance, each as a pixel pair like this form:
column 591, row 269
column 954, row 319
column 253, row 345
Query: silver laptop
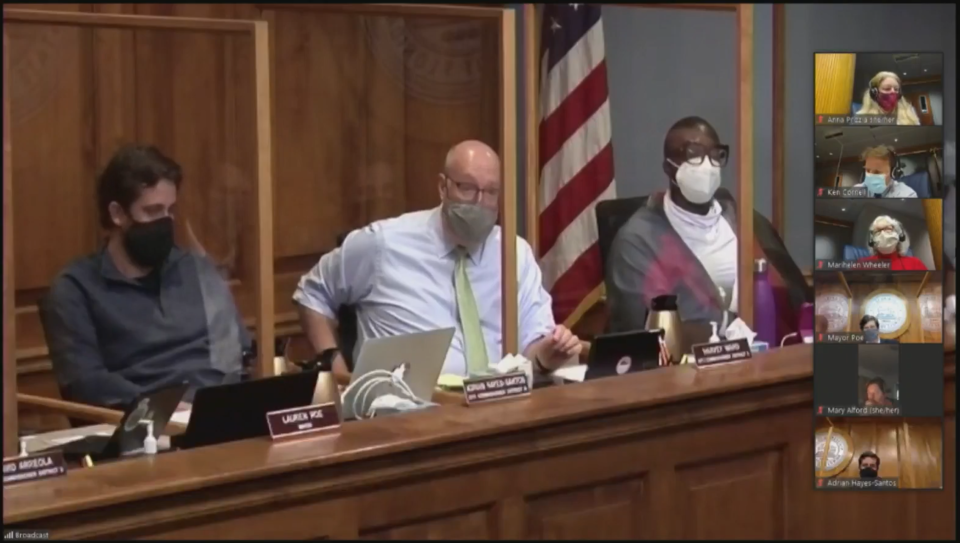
column 422, row 354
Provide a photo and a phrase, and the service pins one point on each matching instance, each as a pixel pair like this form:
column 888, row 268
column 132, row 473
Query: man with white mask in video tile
column 889, row 242
column 882, row 171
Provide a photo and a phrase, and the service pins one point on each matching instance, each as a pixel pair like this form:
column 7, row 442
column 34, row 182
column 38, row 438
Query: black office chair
column 611, row 216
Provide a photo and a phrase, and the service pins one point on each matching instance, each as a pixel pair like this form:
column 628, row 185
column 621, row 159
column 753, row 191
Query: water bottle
column 764, row 305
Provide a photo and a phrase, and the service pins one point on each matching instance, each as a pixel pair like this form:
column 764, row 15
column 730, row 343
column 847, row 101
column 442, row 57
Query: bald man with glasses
column 432, row 269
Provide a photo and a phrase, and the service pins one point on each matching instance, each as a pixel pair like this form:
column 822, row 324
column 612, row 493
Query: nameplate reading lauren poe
column 711, row 354
column 495, row 387
column 303, row 420
column 34, row 467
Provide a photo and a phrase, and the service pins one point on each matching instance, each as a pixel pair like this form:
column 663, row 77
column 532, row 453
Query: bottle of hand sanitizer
column 150, row 442
column 714, row 338
column 23, row 449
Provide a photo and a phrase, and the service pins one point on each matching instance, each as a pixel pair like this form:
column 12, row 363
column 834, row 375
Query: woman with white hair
column 884, row 96
column 889, row 242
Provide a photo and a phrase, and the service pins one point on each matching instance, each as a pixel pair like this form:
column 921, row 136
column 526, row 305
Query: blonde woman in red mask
column 884, row 96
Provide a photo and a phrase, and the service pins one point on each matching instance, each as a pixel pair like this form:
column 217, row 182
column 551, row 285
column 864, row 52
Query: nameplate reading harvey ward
column 495, row 387
column 712, row 354
column 303, row 420
column 34, row 467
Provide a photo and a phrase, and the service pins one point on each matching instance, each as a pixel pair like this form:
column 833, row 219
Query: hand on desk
column 558, row 347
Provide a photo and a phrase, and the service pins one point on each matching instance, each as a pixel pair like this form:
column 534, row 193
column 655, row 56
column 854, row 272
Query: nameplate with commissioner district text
column 714, row 354
column 303, row 420
column 489, row 388
column 35, row 467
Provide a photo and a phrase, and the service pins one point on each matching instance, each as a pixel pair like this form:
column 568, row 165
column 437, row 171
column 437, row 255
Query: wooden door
column 921, row 104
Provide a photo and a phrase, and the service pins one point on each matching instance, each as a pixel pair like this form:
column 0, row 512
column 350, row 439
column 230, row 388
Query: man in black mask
column 140, row 314
column 869, row 465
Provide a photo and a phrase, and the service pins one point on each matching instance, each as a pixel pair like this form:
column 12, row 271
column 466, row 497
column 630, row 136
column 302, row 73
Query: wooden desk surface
column 550, row 465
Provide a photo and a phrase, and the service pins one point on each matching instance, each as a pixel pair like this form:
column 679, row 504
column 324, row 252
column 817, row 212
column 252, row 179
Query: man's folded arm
column 74, row 352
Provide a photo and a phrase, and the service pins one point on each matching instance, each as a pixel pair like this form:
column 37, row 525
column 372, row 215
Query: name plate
column 34, row 467
column 303, row 420
column 712, row 354
column 491, row 388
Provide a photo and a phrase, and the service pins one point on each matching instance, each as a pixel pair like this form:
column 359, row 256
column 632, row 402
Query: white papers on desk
column 574, row 373
column 65, row 440
column 181, row 417
column 40, row 442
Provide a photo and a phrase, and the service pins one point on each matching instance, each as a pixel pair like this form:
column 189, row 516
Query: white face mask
column 698, row 183
column 886, row 242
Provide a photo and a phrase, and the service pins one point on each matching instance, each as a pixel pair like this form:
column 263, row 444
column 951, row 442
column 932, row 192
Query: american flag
column 576, row 155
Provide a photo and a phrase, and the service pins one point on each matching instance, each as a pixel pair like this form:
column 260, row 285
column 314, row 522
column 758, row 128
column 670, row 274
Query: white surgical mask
column 886, row 241
column 698, row 183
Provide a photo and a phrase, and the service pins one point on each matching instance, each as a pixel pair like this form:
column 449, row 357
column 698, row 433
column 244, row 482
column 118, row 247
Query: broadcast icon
column 820, row 410
column 819, row 483
column 820, row 119
column 820, row 192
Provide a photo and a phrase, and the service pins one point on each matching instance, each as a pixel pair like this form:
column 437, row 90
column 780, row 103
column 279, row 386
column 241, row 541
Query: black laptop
column 128, row 437
column 236, row 411
column 622, row 353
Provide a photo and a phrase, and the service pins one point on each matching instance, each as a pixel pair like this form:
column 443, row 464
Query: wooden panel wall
column 909, row 449
column 833, row 80
column 9, row 353
column 364, row 110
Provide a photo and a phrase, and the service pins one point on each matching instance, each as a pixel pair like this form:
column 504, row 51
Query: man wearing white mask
column 432, row 269
column 889, row 242
column 682, row 242
column 881, row 171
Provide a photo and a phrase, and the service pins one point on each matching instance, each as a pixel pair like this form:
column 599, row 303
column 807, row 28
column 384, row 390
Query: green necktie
column 475, row 350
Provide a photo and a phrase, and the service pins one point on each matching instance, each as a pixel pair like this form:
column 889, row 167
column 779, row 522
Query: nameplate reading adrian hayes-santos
column 34, row 467
column 495, row 387
column 711, row 354
column 303, row 420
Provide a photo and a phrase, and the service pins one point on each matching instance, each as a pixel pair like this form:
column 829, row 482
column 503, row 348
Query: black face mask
column 868, row 473
column 149, row 243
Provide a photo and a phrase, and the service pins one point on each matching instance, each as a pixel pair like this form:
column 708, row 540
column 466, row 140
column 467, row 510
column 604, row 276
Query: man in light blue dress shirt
column 399, row 274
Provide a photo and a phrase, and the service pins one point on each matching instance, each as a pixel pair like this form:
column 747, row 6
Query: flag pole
column 531, row 104
column 508, row 155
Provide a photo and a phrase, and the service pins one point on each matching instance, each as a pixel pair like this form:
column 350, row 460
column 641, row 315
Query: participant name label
column 840, row 337
column 852, row 265
column 303, row 420
column 861, row 411
column 34, row 467
column 712, row 354
column 859, row 484
column 842, row 192
column 495, row 387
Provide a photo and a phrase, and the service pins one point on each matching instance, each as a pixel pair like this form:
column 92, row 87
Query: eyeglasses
column 471, row 191
column 694, row 153
column 885, row 229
